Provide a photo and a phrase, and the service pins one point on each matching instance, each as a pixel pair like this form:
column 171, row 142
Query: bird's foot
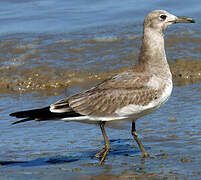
column 101, row 155
column 145, row 155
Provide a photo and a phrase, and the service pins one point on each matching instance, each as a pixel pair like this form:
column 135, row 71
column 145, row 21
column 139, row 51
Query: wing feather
column 102, row 100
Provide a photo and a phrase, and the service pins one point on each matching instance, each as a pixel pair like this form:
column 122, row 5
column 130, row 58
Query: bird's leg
column 134, row 134
column 103, row 153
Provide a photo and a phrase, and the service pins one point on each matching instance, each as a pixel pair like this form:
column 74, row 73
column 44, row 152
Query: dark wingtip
column 20, row 121
column 12, row 114
column 193, row 21
column 17, row 115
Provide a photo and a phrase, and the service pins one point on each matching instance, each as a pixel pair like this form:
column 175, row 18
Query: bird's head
column 160, row 20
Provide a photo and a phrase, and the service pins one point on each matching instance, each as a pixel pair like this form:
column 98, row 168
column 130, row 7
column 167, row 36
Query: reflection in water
column 119, row 147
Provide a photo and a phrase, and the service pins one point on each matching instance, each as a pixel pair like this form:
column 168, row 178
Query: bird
column 126, row 96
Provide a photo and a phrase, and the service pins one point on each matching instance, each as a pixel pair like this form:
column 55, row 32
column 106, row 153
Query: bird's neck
column 152, row 57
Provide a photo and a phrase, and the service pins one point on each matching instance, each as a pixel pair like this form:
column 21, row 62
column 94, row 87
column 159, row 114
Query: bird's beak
column 181, row 19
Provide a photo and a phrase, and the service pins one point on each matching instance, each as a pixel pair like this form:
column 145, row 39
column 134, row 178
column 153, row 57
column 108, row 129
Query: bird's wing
column 110, row 95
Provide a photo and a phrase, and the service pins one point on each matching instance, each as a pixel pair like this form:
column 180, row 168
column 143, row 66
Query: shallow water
column 65, row 150
column 50, row 49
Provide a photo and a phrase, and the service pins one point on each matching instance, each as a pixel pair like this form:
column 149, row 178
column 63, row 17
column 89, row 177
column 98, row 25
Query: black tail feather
column 20, row 121
column 31, row 113
column 41, row 115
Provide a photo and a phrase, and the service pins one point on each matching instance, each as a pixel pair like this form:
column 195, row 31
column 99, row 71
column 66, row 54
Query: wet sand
column 37, row 68
column 184, row 72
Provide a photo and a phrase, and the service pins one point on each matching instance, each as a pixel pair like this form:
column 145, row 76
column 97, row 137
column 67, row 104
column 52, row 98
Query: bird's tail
column 42, row 114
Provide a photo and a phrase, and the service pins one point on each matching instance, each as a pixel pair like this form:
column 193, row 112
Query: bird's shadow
column 119, row 147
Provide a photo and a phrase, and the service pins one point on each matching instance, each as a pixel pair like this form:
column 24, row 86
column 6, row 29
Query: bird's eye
column 163, row 17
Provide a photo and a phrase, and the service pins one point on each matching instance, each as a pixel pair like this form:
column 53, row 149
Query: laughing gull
column 125, row 97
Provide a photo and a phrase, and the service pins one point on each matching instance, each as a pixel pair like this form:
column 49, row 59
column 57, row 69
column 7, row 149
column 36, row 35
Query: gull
column 126, row 96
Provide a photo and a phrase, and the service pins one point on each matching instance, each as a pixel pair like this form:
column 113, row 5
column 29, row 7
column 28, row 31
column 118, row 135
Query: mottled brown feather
column 105, row 98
